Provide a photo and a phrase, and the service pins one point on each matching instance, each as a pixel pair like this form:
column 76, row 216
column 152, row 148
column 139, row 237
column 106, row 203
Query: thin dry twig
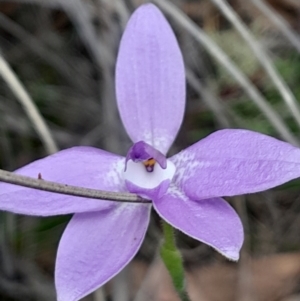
column 65, row 69
column 209, row 99
column 281, row 24
column 30, row 108
column 262, row 56
column 79, row 14
column 201, row 37
column 12, row 178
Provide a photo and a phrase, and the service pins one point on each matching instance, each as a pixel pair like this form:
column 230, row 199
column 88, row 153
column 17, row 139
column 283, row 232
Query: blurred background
column 242, row 63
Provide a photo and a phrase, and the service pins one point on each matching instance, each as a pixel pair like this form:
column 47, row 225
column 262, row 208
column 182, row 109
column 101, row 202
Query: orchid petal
column 234, row 162
column 79, row 166
column 210, row 221
column 96, row 246
column 150, row 79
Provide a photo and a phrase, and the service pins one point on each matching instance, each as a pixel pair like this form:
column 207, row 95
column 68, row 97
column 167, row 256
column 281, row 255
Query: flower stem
column 173, row 261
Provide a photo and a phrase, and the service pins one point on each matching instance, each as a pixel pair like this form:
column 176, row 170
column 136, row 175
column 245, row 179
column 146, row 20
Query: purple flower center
column 148, row 155
column 147, row 171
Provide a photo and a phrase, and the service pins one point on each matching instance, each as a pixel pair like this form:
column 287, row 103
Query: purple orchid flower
column 185, row 190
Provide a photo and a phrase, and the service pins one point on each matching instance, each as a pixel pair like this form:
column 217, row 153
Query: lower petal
column 96, row 246
column 211, row 221
column 79, row 166
column 150, row 193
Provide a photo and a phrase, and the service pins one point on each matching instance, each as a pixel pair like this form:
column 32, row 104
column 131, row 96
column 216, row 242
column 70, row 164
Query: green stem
column 173, row 261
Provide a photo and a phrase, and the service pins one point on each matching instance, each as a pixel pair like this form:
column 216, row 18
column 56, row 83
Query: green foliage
column 173, row 261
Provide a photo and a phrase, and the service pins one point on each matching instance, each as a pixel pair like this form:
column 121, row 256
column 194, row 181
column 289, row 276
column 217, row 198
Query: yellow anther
column 149, row 164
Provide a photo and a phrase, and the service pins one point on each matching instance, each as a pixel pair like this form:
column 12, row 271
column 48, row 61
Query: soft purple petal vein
column 235, row 162
column 96, row 246
column 79, row 166
column 211, row 221
column 150, row 79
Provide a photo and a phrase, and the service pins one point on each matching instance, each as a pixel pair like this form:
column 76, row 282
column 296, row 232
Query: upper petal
column 96, row 246
column 211, row 221
column 233, row 162
column 150, row 79
column 79, row 166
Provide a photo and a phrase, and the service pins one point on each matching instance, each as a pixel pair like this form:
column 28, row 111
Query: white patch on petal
column 177, row 193
column 231, row 254
column 185, row 165
column 114, row 176
column 161, row 141
column 137, row 174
